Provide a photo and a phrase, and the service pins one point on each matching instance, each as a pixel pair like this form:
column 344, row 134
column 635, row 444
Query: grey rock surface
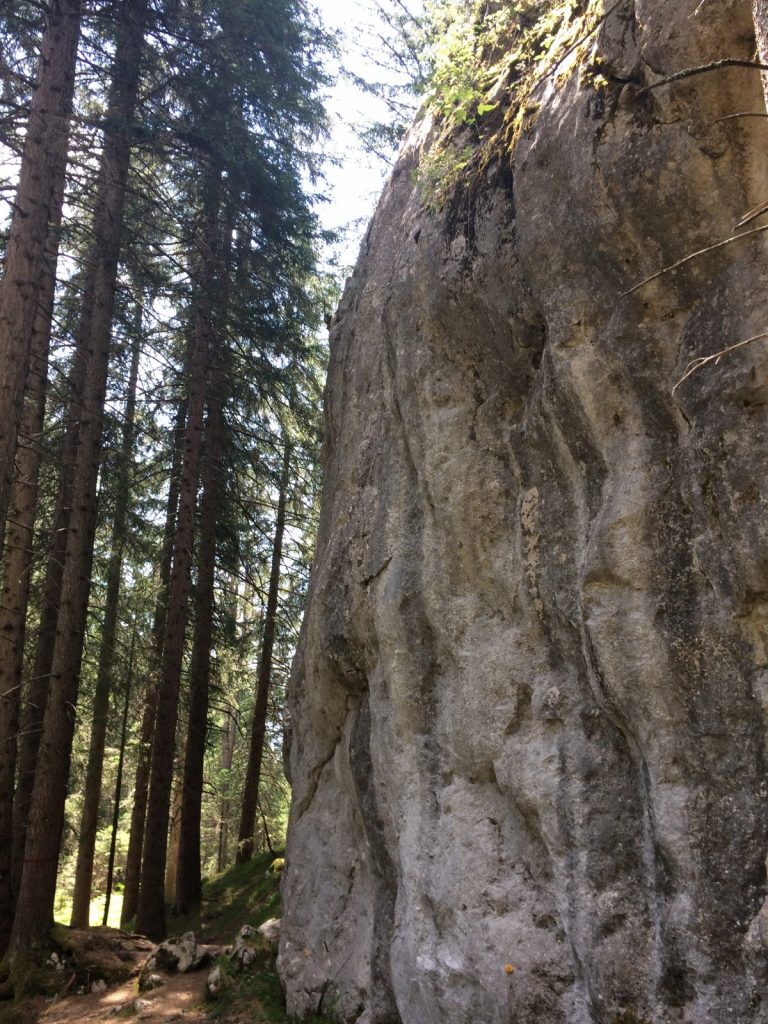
column 175, row 954
column 269, row 932
column 215, row 982
column 248, row 947
column 529, row 706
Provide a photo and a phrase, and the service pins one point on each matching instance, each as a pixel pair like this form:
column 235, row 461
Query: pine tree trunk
column 34, row 909
column 259, row 726
column 139, row 812
column 89, row 821
column 189, row 874
column 228, row 736
column 36, row 691
column 151, row 911
column 141, row 785
column 37, row 207
column 17, row 568
column 172, row 861
column 119, row 782
column 47, row 137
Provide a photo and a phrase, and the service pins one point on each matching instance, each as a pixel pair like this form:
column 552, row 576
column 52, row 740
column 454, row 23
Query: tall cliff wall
column 530, row 705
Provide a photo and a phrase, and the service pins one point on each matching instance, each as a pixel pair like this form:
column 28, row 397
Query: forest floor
column 246, row 894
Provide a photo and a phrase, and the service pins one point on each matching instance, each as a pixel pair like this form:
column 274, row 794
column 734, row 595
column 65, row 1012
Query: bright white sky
column 356, row 182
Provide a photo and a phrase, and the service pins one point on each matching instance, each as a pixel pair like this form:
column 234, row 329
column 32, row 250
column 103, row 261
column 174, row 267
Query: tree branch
column 693, row 256
column 696, row 364
column 717, row 65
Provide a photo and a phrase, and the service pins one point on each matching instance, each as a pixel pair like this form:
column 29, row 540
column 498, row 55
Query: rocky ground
column 225, row 974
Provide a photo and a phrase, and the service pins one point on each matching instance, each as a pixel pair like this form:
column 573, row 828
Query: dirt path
column 180, row 999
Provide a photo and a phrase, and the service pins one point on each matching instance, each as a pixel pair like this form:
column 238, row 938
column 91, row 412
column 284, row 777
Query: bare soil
column 182, row 998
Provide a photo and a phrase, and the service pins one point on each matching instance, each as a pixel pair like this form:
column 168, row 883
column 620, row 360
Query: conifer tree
column 37, row 885
column 37, row 208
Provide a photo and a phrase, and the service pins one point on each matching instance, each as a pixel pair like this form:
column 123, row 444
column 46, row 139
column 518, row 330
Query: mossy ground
column 245, row 894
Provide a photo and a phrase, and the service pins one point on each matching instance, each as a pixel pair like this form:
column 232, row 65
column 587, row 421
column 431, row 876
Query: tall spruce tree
column 37, row 207
column 246, row 120
column 34, row 908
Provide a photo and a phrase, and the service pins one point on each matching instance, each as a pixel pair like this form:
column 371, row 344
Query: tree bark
column 37, row 207
column 139, row 812
column 18, row 564
column 26, row 284
column 172, row 860
column 151, row 910
column 228, row 735
column 119, row 781
column 141, row 785
column 37, row 888
column 89, row 821
column 36, row 691
column 259, row 726
column 189, row 875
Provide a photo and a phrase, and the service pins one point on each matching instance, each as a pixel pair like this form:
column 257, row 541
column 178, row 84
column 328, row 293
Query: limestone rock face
column 529, row 707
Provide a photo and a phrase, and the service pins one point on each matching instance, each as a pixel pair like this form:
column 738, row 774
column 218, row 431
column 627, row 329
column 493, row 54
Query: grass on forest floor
column 245, row 894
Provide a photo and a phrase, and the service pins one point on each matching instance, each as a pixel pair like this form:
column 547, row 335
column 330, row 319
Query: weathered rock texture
column 530, row 706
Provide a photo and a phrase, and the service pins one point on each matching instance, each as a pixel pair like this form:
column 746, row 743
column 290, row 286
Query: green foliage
column 259, row 988
column 480, row 57
column 468, row 51
column 244, row 894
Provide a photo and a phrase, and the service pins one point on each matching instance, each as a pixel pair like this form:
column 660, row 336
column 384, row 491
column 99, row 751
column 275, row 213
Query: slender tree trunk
column 172, row 511
column 17, row 567
column 37, row 207
column 151, row 911
column 139, row 812
column 37, row 889
column 141, row 785
column 189, row 875
column 172, row 861
column 259, row 726
column 89, row 821
column 36, row 692
column 56, row 88
column 228, row 735
column 119, row 781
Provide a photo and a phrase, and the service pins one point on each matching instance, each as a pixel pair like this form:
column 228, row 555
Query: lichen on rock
column 529, row 706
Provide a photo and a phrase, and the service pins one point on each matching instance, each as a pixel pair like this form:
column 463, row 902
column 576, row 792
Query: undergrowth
column 245, row 894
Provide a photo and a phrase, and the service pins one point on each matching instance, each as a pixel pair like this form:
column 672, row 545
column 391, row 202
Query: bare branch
column 696, row 364
column 744, row 113
column 693, row 256
column 751, row 215
column 716, row 65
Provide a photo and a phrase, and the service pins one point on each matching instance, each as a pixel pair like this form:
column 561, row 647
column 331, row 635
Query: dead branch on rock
column 693, row 256
column 753, row 214
column 743, row 113
column 701, row 69
column 696, row 364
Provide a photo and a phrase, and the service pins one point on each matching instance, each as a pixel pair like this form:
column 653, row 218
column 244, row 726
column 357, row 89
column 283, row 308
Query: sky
column 357, row 180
